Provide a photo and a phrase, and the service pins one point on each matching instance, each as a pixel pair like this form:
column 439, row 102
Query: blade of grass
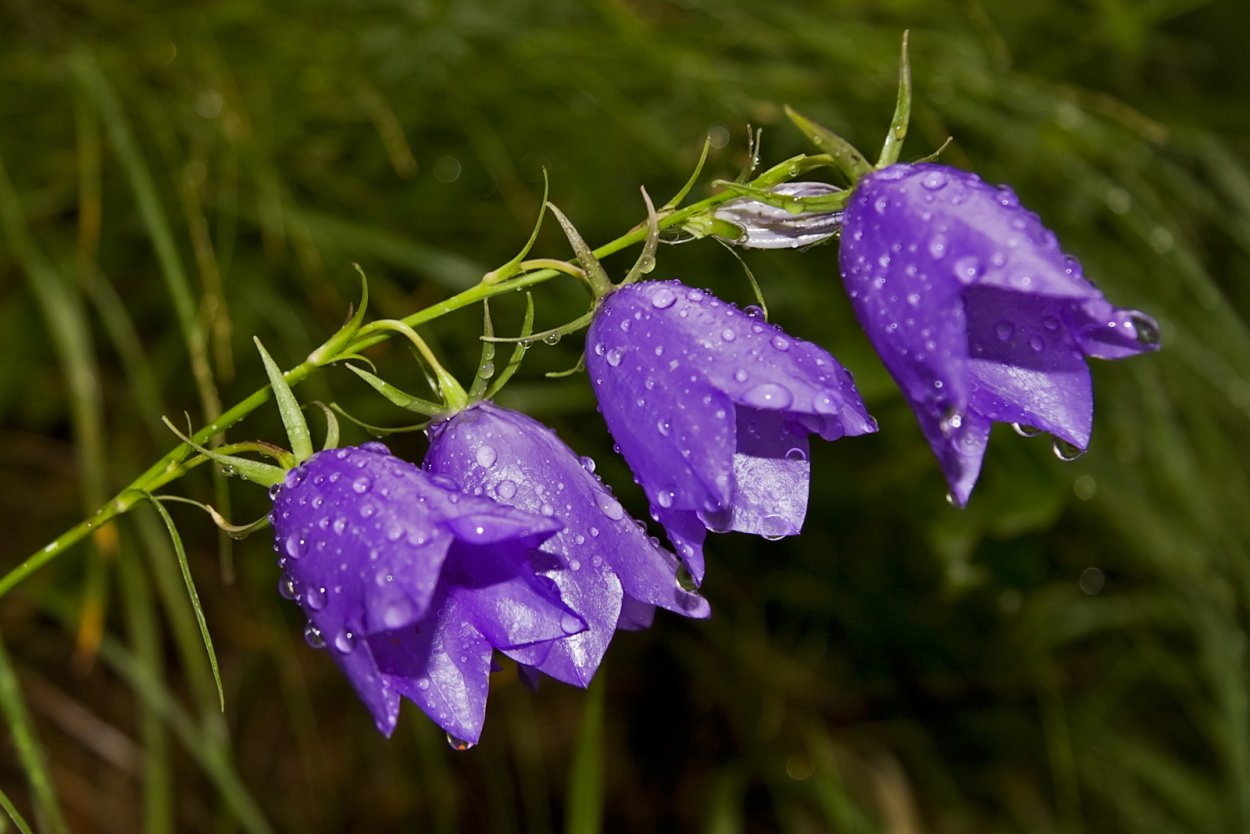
column 584, row 806
column 192, row 595
column 11, row 810
column 29, row 753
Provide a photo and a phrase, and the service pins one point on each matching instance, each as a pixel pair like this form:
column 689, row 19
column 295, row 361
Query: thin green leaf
column 29, row 752
column 397, row 397
column 191, row 594
column 600, row 284
column 332, row 426
column 646, row 258
column 264, row 474
column 902, row 111
column 486, row 365
column 844, row 156
column 329, row 351
column 518, row 353
column 14, row 815
column 292, row 415
column 584, row 806
column 378, row 431
column 506, row 271
column 681, row 195
column 755, row 285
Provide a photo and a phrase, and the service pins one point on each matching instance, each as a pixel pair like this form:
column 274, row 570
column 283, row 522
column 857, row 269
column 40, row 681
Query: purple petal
column 443, row 666
column 772, row 472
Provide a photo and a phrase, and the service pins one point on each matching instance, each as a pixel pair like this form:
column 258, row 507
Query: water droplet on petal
column 312, row 636
column 1037, row 342
column 295, row 546
column 1066, row 451
column 768, row 395
column 423, row 684
column 486, row 455
column 740, row 375
column 665, row 498
column 315, row 598
column 286, row 587
column 570, row 624
column 774, row 527
column 345, row 642
column 664, row 426
column 781, row 343
column 728, row 335
column 754, row 311
column 610, row 507
column 663, row 298
column 1145, row 327
column 1025, row 430
column 614, row 357
column 934, row 180
column 1004, row 330
column 588, row 463
column 505, row 490
column 937, row 246
column 458, row 744
column 796, row 454
column 967, row 269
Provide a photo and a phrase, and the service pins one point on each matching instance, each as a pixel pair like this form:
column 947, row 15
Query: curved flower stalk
column 976, row 312
column 410, row 584
column 711, row 408
column 606, row 568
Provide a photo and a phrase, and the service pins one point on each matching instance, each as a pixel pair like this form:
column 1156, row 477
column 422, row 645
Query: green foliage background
column 1066, row 655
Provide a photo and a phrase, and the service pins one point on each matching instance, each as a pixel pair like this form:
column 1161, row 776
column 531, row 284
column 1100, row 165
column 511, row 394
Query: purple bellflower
column 711, row 408
column 411, row 584
column 976, row 312
column 607, row 569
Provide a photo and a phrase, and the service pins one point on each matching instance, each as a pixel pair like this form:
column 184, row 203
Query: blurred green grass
column 1066, row 655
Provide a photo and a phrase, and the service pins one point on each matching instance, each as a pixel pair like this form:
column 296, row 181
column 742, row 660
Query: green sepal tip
column 292, row 415
column 849, row 161
column 329, row 351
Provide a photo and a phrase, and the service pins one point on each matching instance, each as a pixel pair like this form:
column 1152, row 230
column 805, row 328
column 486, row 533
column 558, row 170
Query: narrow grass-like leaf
column 14, row 815
column 194, row 597
column 329, row 352
column 26, row 745
column 685, row 190
column 646, row 258
column 600, row 284
column 377, row 431
column 893, row 144
column 397, row 397
column 506, row 271
column 518, row 353
column 144, row 631
column 584, row 806
column 292, row 415
column 485, row 365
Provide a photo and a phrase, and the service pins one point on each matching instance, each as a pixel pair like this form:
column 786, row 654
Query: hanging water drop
column 312, row 636
column 1066, row 451
column 1025, row 430
column 458, row 744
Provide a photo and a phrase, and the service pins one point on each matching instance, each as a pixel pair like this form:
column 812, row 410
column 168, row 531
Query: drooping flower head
column 607, row 569
column 976, row 311
column 410, row 584
column 711, row 407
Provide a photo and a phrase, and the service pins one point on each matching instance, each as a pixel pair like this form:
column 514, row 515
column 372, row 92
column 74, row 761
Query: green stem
column 171, row 466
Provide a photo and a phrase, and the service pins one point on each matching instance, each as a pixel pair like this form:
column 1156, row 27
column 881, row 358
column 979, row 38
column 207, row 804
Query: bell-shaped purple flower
column 711, row 408
column 976, row 312
column 411, row 584
column 607, row 569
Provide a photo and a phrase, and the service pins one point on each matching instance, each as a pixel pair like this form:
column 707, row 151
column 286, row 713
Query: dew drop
column 1025, row 430
column 398, row 613
column 315, row 598
column 458, row 744
column 312, row 636
column 781, row 343
column 506, row 490
column 274, row 490
column 1004, row 330
column 614, row 356
column 663, row 298
column 1145, row 327
column 774, row 527
column 295, row 546
column 588, row 463
column 487, row 370
column 1050, row 323
column 934, row 180
column 486, row 455
column 796, row 454
column 286, row 587
column 727, row 335
column 1037, row 342
column 664, row 426
column 768, row 395
column 345, row 642
column 967, row 268
column 423, row 684
column 665, row 498
column 611, row 508
column 937, row 246
column 754, row 311
column 570, row 624
column 1066, row 451
column 740, row 375
column 551, row 339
